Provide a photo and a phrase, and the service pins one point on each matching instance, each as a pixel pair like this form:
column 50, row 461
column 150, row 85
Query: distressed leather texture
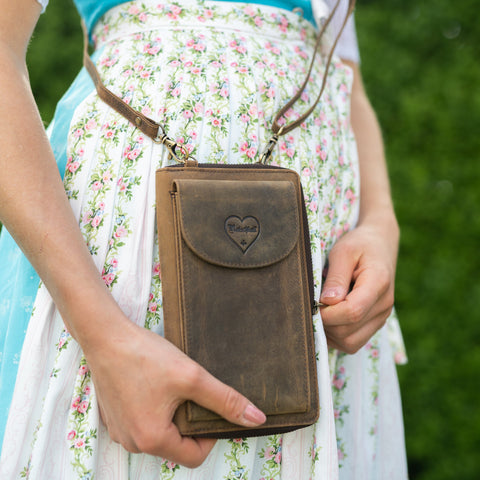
column 235, row 290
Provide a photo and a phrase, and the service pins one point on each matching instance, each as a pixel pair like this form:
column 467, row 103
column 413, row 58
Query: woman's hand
column 358, row 290
column 359, row 287
column 140, row 379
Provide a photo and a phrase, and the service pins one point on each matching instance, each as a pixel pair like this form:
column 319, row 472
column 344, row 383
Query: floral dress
column 214, row 73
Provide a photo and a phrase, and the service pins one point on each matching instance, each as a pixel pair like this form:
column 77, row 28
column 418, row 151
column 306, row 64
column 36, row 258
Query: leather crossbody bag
column 237, row 280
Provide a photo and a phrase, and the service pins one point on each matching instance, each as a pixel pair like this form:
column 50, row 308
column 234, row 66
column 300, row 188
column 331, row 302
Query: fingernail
column 330, row 293
column 253, row 416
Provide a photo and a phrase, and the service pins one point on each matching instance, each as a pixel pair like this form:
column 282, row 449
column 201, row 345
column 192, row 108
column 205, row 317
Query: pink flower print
column 81, row 152
column 79, row 443
column 341, row 370
column 78, row 133
column 341, row 455
column 338, row 382
column 83, row 407
column 323, row 155
column 400, row 358
column 269, row 453
column 152, row 307
column 251, row 152
column 196, row 70
column 313, row 206
column 120, row 232
column 193, row 135
column 96, row 221
column 244, row 147
column 175, row 9
column 75, row 403
column 83, row 370
column 241, row 49
column 146, row 110
column 270, row 92
column 145, row 74
column 199, row 47
column 71, row 434
column 349, row 195
column 278, row 458
column 133, row 154
column 91, row 124
column 188, row 64
column 216, row 122
column 97, row 185
column 232, row 44
column 208, row 13
column 107, row 176
column 87, row 390
column 244, row 118
column 253, row 137
column 109, row 134
column 187, row 114
column 248, row 10
column 306, row 172
column 138, row 67
column 336, row 414
column 142, row 17
column 73, row 167
column 216, row 64
column 374, row 353
column 114, row 263
column 290, row 152
column 127, row 72
column 175, row 92
column 258, row 21
column 171, row 465
column 175, row 63
column 343, row 88
column 108, row 279
column 156, row 269
column 133, row 10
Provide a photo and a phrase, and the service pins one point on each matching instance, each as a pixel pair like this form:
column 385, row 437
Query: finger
column 354, row 341
column 187, row 451
column 341, row 264
column 363, row 302
column 211, row 393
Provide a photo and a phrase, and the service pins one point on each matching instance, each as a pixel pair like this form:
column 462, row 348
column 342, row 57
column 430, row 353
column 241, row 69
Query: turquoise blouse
column 92, row 10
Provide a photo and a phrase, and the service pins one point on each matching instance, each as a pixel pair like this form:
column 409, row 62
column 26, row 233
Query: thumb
column 339, row 276
column 214, row 395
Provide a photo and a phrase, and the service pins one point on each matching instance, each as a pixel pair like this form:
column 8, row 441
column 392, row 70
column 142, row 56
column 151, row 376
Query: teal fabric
column 92, row 10
column 18, row 280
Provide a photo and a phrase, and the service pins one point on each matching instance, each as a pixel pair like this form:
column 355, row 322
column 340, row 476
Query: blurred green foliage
column 421, row 69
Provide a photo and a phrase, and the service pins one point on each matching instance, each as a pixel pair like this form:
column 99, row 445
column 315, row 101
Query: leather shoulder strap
column 157, row 133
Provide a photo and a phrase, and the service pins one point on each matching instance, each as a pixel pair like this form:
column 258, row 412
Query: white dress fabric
column 214, row 73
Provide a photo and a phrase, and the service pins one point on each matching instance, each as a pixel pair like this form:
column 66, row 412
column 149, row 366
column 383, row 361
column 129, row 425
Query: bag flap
column 240, row 224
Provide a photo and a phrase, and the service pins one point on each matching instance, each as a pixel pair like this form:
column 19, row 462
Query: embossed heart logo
column 242, row 231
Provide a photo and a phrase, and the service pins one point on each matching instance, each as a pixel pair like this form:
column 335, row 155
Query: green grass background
column 420, row 66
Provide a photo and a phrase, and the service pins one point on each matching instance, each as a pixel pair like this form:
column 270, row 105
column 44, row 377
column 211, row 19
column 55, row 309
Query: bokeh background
column 420, row 61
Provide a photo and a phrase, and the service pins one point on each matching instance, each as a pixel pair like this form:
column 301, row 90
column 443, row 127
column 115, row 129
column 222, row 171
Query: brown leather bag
column 238, row 289
column 236, row 270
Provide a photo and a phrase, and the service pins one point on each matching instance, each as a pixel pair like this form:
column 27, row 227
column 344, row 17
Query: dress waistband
column 135, row 17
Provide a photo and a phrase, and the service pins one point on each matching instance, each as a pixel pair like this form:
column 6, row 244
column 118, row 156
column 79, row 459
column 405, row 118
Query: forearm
column 33, row 204
column 375, row 197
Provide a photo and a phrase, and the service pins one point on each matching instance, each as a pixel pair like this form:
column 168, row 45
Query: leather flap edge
column 238, row 223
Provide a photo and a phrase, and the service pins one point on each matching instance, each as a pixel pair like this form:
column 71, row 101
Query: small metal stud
column 138, row 121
